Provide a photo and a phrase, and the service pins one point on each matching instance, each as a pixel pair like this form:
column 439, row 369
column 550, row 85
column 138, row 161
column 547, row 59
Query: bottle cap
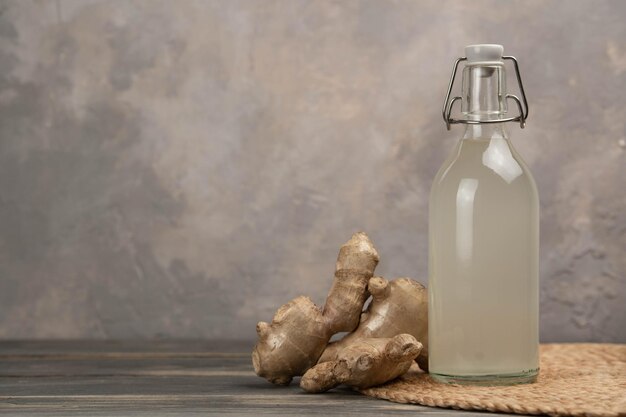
column 484, row 53
column 487, row 55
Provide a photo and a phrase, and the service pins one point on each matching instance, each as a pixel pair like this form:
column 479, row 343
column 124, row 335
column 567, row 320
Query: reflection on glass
column 465, row 218
column 498, row 157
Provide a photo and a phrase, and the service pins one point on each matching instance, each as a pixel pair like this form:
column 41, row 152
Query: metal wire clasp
column 523, row 110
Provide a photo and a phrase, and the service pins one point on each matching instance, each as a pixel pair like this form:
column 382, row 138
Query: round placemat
column 575, row 380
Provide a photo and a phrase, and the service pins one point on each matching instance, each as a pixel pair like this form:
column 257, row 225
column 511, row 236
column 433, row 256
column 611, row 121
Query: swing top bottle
column 484, row 237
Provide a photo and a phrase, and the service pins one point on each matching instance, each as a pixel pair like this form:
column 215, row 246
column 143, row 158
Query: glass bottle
column 484, row 238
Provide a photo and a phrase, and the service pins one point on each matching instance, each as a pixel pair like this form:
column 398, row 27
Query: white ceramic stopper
column 483, row 52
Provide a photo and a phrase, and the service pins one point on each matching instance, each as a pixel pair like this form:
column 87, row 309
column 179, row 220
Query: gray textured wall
column 180, row 169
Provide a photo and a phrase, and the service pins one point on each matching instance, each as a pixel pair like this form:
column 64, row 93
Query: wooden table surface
column 161, row 378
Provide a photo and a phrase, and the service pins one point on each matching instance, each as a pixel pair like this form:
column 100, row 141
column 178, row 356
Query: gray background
column 180, row 169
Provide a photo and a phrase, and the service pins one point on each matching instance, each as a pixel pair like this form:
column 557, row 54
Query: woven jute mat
column 575, row 380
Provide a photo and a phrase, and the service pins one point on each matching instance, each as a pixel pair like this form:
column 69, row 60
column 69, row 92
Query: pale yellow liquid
column 484, row 244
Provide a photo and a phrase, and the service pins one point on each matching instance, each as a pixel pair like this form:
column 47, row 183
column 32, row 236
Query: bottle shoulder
column 493, row 162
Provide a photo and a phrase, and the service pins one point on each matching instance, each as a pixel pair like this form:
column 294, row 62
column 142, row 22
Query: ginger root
column 385, row 338
column 398, row 306
column 364, row 363
column 299, row 331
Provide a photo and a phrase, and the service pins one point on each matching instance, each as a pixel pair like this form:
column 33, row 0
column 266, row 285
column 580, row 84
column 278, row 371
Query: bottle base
column 527, row 377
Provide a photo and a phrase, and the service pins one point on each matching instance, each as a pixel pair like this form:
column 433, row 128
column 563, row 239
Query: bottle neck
column 485, row 131
column 484, row 92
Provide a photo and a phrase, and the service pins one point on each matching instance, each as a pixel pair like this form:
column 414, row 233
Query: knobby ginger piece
column 294, row 340
column 364, row 364
column 398, row 306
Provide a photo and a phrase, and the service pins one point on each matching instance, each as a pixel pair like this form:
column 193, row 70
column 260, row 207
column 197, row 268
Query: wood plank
column 140, row 378
column 127, row 367
column 97, row 348
column 337, row 403
column 219, row 395
column 149, row 366
column 228, row 405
